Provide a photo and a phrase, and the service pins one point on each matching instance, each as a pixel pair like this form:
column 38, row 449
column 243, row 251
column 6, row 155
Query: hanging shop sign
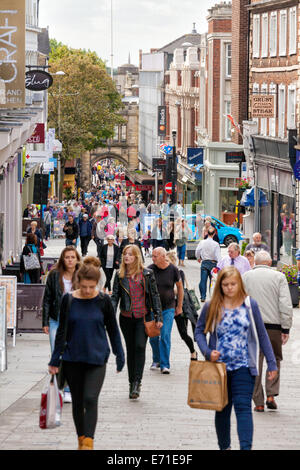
column 158, row 164
column 195, row 155
column 12, row 58
column 235, row 157
column 38, row 80
column 162, row 121
column 38, row 137
column 262, row 106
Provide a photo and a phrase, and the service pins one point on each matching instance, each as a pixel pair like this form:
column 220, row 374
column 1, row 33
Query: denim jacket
column 257, row 338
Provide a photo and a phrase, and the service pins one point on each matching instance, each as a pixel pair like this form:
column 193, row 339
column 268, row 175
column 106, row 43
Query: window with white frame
column 291, row 107
column 228, row 59
column 227, row 128
column 263, row 121
column 293, row 30
column 281, row 110
column 273, row 34
column 282, row 32
column 255, row 91
column 264, row 34
column 272, row 121
column 256, row 35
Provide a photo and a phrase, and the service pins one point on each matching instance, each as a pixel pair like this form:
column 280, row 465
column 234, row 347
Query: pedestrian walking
column 135, row 288
column 159, row 234
column 236, row 332
column 47, row 222
column 182, row 320
column 60, row 280
column 235, row 259
column 86, row 316
column 71, row 230
column 250, row 254
column 32, row 276
column 271, row 291
column 167, row 277
column 257, row 244
column 181, row 237
column 85, row 233
column 131, row 240
column 109, row 257
column 208, row 253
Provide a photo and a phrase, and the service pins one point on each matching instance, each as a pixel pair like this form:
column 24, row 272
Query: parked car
column 226, row 233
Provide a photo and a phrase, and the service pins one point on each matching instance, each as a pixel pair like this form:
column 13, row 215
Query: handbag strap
column 66, row 322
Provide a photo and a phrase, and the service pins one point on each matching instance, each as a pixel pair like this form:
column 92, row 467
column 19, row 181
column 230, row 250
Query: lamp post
column 174, row 169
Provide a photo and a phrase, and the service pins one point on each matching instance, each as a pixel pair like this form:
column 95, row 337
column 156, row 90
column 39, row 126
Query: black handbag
column 60, row 376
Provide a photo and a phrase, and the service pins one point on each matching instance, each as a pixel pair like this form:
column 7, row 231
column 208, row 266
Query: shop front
column 277, row 216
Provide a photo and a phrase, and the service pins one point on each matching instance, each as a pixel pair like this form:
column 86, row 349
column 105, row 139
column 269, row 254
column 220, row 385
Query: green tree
column 84, row 103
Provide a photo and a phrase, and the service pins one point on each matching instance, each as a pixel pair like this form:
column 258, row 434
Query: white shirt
column 208, row 250
column 110, row 257
column 67, row 285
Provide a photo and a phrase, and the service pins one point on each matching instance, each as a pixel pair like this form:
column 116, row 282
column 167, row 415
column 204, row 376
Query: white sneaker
column 155, row 366
column 67, row 397
column 165, row 370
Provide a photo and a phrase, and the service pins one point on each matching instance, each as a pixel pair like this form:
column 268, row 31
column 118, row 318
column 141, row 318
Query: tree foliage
column 85, row 97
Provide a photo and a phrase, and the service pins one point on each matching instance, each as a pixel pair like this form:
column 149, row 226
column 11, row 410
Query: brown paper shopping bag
column 207, row 385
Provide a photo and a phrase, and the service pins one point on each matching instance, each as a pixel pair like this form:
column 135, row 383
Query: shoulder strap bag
column 31, row 261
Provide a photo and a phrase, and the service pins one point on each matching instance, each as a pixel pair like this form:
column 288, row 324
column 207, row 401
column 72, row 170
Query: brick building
column 274, row 75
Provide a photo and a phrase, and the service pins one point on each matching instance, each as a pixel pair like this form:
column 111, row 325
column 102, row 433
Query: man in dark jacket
column 85, row 232
column 71, row 231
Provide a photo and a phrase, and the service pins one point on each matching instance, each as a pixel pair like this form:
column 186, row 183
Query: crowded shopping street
column 149, row 229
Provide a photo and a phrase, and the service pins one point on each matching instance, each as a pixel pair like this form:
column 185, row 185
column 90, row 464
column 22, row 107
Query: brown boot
column 87, row 444
column 80, row 441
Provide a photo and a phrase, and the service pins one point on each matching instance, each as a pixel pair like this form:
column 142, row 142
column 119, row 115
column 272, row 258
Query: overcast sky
column 137, row 24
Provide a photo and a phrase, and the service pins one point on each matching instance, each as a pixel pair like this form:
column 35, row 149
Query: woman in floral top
column 237, row 333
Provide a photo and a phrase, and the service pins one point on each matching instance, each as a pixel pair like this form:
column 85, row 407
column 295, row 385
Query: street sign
column 195, row 155
column 168, row 188
column 235, row 157
column 38, row 156
column 158, row 164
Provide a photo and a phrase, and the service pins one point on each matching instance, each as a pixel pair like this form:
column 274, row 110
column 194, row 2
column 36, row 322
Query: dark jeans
column 182, row 323
column 206, row 267
column 240, row 389
column 99, row 244
column 47, row 232
column 84, row 244
column 133, row 330
column 85, row 382
column 108, row 274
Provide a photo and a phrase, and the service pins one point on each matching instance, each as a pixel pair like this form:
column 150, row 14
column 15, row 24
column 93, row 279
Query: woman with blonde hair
column 86, row 317
column 237, row 332
column 135, row 288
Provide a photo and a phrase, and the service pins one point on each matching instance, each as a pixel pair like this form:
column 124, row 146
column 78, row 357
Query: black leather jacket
column 121, row 292
column 52, row 298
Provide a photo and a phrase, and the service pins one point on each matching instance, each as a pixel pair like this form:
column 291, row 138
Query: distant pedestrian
column 71, row 230
column 109, row 257
column 271, row 291
column 236, row 331
column 250, row 254
column 257, row 244
column 60, row 280
column 32, row 276
column 208, row 253
column 167, row 277
column 235, row 259
column 85, row 233
column 86, row 316
column 181, row 237
column 135, row 288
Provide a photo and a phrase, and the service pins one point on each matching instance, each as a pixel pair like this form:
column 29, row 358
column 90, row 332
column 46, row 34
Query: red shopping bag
column 51, row 405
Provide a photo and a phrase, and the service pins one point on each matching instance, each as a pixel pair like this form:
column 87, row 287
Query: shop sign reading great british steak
column 12, row 53
column 262, row 106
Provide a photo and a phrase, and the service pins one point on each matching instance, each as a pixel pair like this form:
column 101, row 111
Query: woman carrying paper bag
column 237, row 332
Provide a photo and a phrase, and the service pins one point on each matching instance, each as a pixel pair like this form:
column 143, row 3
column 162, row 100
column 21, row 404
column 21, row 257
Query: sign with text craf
column 12, row 53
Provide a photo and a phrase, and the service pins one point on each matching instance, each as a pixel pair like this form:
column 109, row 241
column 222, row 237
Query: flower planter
column 294, row 291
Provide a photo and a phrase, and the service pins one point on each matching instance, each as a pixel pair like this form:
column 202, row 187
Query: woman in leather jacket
column 135, row 287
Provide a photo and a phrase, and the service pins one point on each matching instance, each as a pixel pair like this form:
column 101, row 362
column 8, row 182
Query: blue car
column 226, row 233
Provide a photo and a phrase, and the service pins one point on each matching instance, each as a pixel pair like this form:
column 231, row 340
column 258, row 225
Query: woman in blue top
column 81, row 342
column 237, row 332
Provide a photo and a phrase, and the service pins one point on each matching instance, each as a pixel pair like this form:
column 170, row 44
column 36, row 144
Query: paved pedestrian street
column 159, row 420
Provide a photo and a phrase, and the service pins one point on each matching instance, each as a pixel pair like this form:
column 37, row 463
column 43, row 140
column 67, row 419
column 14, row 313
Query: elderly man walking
column 235, row 259
column 208, row 253
column 257, row 244
column 167, row 277
column 271, row 291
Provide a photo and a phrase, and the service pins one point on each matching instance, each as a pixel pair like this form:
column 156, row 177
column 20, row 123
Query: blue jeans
column 53, row 325
column 240, row 389
column 181, row 252
column 206, row 267
column 161, row 345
